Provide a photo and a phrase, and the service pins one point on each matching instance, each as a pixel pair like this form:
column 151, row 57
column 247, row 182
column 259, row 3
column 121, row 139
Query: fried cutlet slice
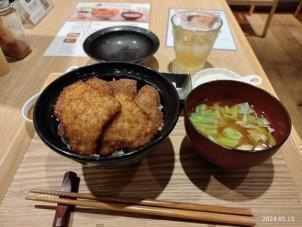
column 102, row 86
column 148, row 100
column 126, row 86
column 130, row 129
column 83, row 112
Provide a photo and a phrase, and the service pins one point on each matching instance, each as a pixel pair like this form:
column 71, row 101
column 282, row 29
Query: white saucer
column 211, row 74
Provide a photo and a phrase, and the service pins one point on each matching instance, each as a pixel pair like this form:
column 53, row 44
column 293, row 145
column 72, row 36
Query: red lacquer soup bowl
column 263, row 103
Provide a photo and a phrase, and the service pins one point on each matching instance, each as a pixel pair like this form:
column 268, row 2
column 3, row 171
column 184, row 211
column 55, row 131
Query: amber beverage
column 194, row 35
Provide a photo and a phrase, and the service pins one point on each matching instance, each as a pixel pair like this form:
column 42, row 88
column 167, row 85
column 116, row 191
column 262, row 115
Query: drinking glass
column 194, row 35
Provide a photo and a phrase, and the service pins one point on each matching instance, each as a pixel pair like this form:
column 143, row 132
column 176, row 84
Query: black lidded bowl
column 121, row 44
column 46, row 124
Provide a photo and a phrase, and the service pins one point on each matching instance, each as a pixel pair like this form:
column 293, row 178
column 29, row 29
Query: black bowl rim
column 248, row 85
column 139, row 30
column 107, row 159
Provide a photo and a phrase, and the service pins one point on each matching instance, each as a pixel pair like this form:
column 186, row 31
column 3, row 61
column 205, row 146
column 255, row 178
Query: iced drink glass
column 194, row 35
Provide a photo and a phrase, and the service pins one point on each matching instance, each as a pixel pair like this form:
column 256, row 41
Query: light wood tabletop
column 266, row 188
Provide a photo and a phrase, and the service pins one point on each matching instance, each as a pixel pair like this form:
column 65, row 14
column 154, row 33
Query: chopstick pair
column 188, row 211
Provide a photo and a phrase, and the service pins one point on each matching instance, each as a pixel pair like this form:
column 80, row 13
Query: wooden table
column 178, row 175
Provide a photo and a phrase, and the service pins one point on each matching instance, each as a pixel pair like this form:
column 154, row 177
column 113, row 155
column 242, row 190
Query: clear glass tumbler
column 194, row 35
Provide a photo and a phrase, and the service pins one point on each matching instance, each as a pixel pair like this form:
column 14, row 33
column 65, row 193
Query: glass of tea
column 194, row 35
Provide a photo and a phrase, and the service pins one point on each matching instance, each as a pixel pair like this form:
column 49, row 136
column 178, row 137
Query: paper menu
column 90, row 17
column 224, row 40
column 32, row 10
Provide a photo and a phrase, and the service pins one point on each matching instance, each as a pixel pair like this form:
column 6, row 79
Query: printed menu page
column 90, row 17
column 224, row 40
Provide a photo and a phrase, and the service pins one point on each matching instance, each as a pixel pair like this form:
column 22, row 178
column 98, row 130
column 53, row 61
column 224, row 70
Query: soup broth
column 236, row 126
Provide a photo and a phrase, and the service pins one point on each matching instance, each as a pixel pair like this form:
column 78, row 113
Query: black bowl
column 46, row 125
column 121, row 44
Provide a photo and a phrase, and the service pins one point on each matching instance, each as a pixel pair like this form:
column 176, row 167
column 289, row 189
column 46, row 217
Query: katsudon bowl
column 236, row 92
column 46, row 123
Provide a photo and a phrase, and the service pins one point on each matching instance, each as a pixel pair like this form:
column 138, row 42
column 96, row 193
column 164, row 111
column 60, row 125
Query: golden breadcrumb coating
column 126, row 86
column 130, row 129
column 102, row 117
column 148, row 100
column 101, row 86
column 83, row 112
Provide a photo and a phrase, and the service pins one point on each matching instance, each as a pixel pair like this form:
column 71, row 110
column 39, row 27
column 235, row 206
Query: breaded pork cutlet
column 127, row 128
column 83, row 113
column 102, row 86
column 126, row 86
column 130, row 128
column 148, row 100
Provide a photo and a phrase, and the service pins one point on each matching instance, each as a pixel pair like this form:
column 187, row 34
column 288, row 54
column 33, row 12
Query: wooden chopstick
column 155, row 203
column 151, row 210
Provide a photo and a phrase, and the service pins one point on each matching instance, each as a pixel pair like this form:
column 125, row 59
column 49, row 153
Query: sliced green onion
column 231, row 143
column 228, row 117
column 252, row 119
column 227, row 109
column 203, row 119
column 245, row 124
column 262, row 121
column 200, row 108
column 234, row 112
column 208, row 131
column 244, row 108
column 205, row 125
column 231, row 133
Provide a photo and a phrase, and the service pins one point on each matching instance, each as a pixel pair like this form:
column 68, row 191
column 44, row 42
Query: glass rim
column 200, row 12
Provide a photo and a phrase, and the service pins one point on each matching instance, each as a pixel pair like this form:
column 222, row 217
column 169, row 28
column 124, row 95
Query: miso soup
column 236, row 126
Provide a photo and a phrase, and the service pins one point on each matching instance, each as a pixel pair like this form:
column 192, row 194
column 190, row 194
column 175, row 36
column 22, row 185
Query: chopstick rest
column 70, row 183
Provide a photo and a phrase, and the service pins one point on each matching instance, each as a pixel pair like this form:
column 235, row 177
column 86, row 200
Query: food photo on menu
column 100, row 12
